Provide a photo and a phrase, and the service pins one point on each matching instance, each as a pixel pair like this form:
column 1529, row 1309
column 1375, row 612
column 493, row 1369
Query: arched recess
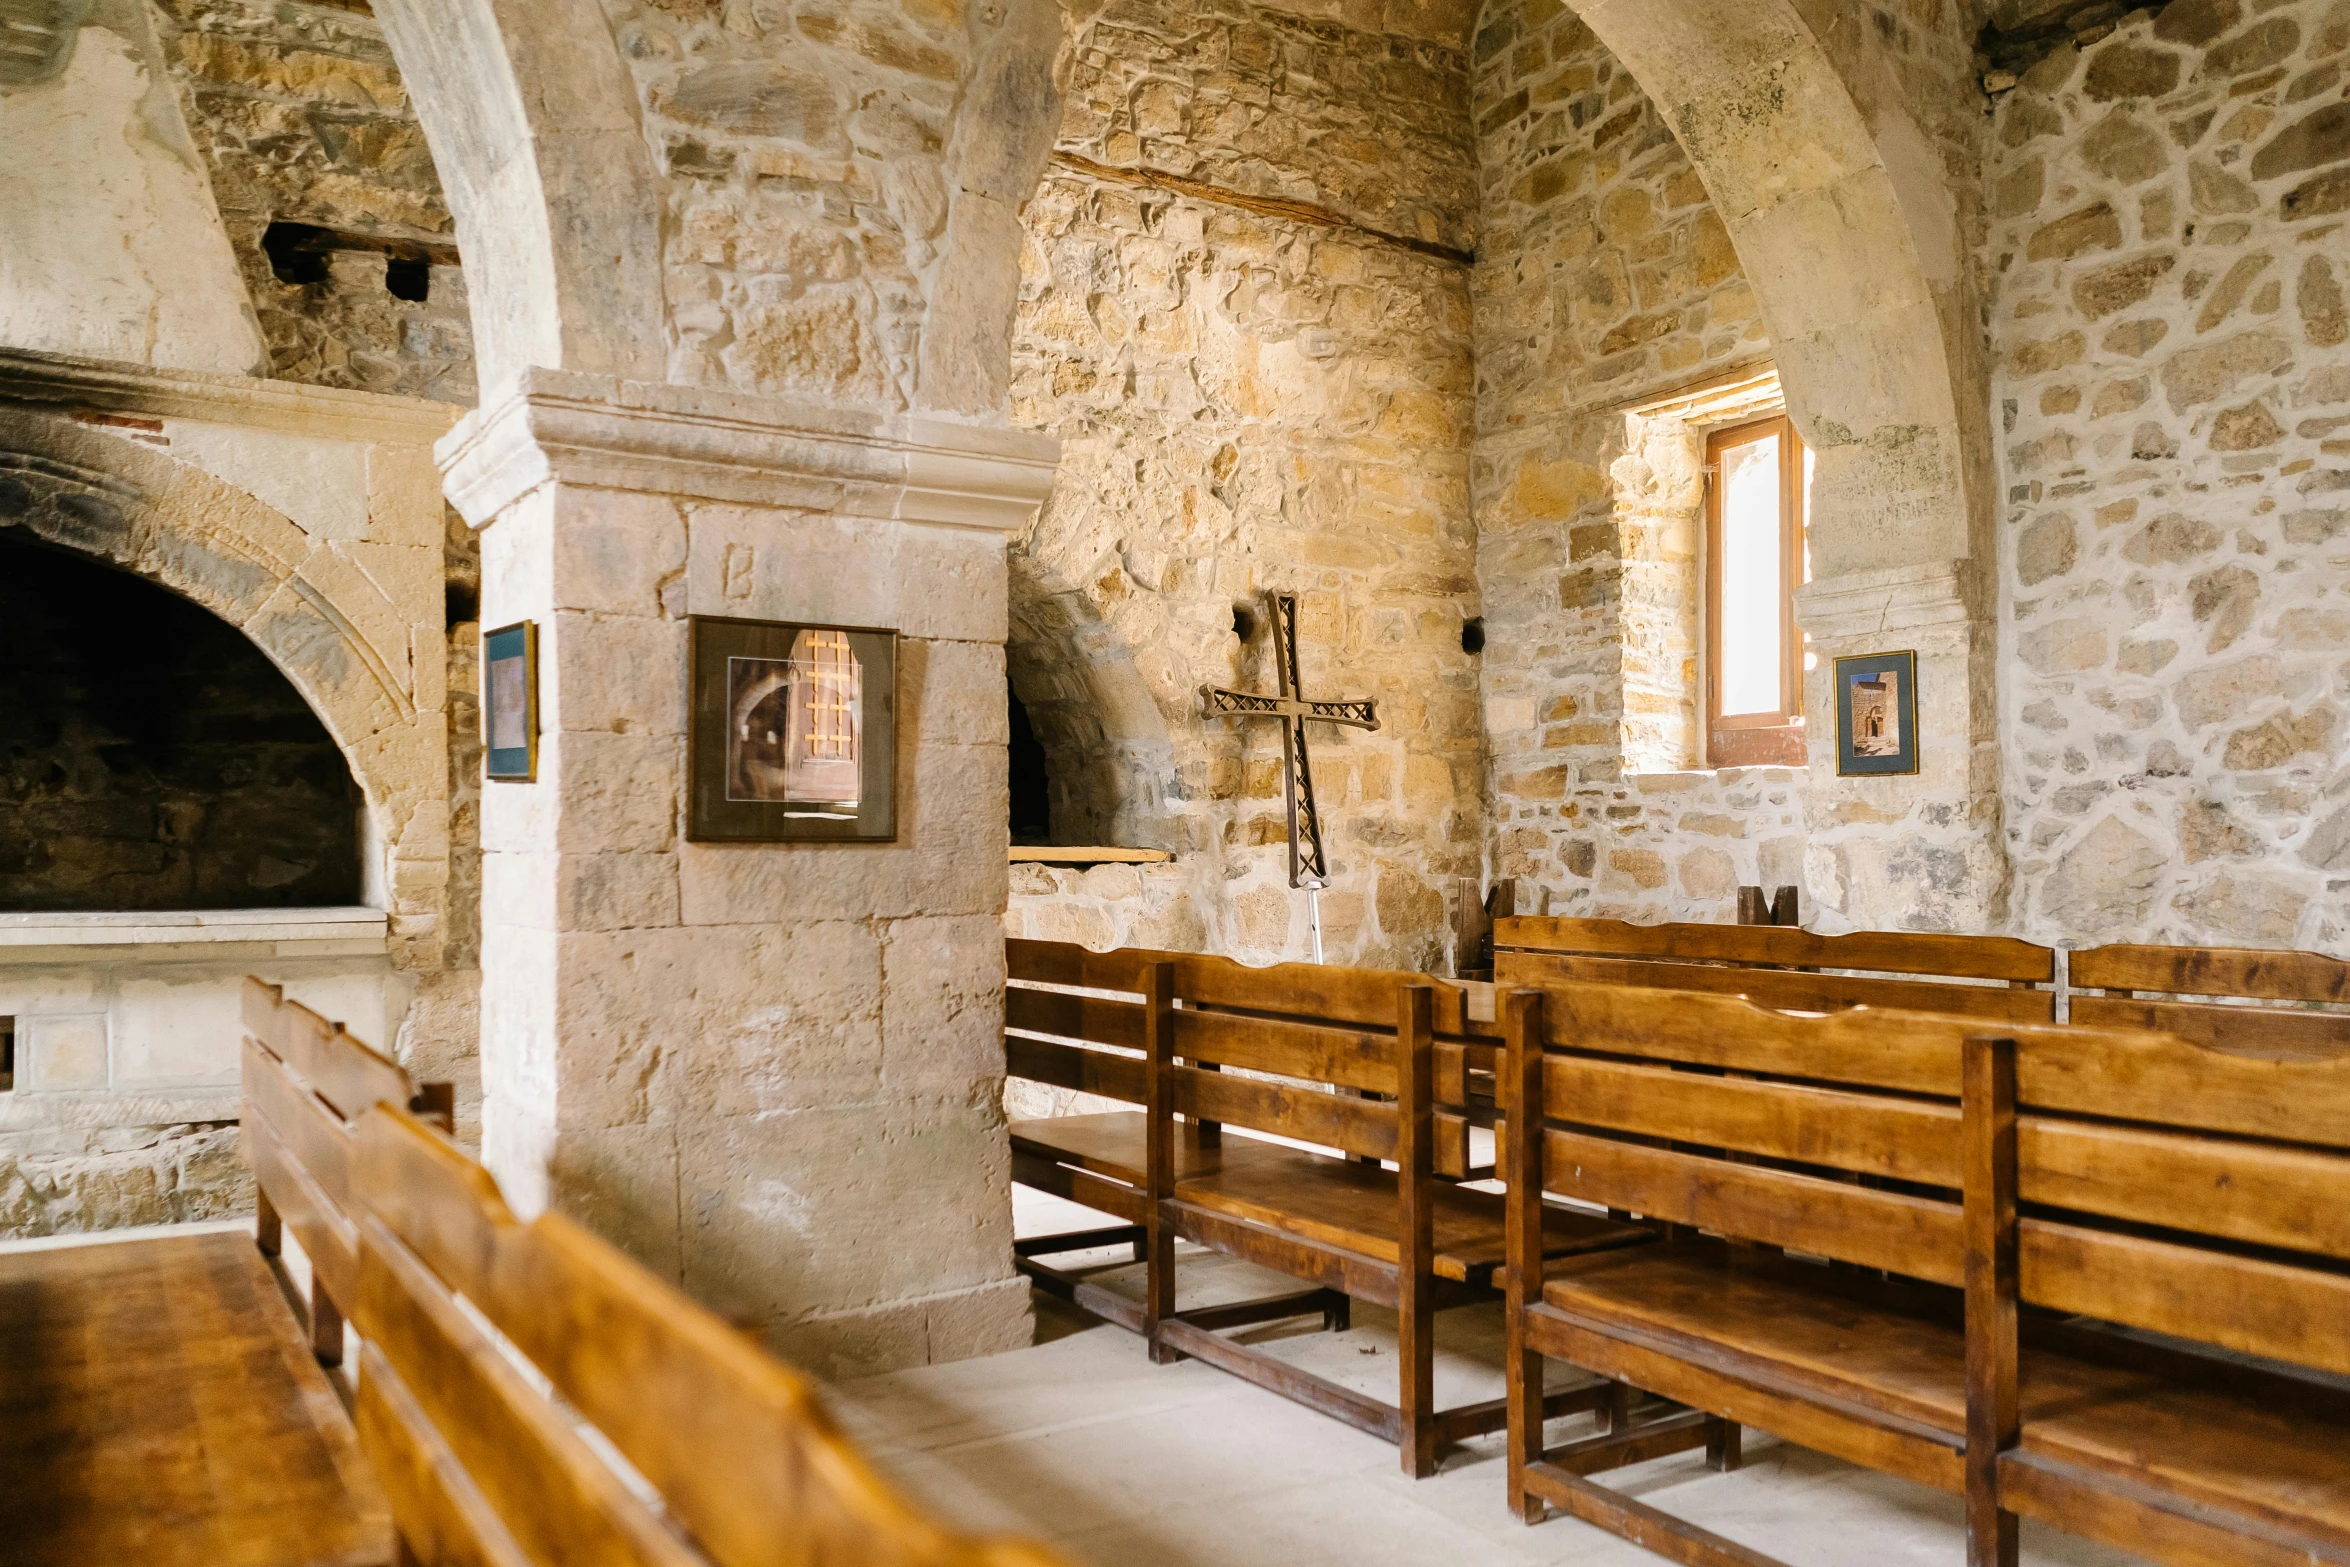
column 1846, row 226
column 533, row 125
column 317, row 614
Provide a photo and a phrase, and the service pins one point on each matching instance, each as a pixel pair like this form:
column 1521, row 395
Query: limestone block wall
column 1604, row 278
column 300, row 116
column 2174, row 409
column 1249, row 401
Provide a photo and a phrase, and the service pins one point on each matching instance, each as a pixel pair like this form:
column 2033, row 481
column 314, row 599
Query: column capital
column 563, row 427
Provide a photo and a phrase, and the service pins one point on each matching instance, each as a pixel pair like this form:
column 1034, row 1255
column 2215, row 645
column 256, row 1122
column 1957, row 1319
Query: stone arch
column 312, row 609
column 1845, row 224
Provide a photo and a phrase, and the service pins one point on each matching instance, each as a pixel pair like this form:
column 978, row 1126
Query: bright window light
column 1753, row 659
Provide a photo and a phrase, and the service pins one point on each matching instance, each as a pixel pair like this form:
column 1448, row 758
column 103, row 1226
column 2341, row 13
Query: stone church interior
column 1067, row 783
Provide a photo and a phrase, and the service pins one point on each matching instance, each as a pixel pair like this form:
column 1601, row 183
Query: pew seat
column 1772, row 1342
column 160, row 1407
column 1352, row 1207
column 1114, row 1146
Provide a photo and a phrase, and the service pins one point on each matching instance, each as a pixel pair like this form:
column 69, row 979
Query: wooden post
column 1786, row 907
column 1520, row 1091
column 1751, row 908
column 1993, row 1417
column 1159, row 1045
column 1415, row 1234
column 326, row 1325
column 269, row 1232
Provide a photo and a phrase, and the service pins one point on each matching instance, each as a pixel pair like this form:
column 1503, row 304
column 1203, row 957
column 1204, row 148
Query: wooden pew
column 1779, row 966
column 1748, row 1130
column 2285, row 1003
column 306, row 1083
column 1375, row 1065
column 493, row 1420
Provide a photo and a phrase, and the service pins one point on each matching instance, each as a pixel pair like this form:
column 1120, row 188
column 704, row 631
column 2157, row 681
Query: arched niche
column 313, row 605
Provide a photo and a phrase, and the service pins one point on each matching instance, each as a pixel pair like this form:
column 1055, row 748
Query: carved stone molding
column 562, row 427
column 1930, row 596
column 62, row 384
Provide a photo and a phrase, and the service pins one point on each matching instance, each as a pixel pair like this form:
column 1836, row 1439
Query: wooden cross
column 1309, row 867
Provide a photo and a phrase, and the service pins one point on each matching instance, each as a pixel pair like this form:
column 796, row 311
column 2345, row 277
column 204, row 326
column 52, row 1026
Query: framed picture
column 1877, row 714
column 794, row 733
column 510, row 703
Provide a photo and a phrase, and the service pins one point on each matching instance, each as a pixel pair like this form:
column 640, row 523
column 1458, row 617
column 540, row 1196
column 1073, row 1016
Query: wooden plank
column 2143, row 1518
column 2133, row 1076
column 1870, row 1134
column 1305, row 991
column 444, row 1518
column 1071, row 1016
column 1359, row 1126
column 2248, row 1304
column 1899, row 1233
column 344, row 1072
column 1905, row 1052
column 307, row 1126
column 159, row 1408
column 1278, row 1376
column 2213, row 971
column 1994, row 1417
column 1046, row 854
column 262, row 1006
column 328, row 1235
column 1659, row 1438
column 2278, row 1031
column 2257, row 1193
column 1778, row 988
column 1075, row 1067
column 1883, row 951
column 1661, row 1533
column 1347, row 1057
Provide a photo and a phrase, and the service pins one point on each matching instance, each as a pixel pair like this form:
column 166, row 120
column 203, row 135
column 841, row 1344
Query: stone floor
column 1081, row 1442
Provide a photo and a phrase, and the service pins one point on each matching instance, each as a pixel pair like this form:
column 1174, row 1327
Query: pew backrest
column 2234, row 998
column 506, row 1364
column 2178, row 1189
column 1076, row 1019
column 306, row 1082
column 1786, row 967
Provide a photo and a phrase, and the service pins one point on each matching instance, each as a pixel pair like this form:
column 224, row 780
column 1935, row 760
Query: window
column 1759, row 483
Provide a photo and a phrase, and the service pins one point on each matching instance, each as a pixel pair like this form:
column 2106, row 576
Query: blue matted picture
column 1877, row 714
column 510, row 703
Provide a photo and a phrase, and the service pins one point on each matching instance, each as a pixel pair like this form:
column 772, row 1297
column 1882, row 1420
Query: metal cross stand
column 1309, row 867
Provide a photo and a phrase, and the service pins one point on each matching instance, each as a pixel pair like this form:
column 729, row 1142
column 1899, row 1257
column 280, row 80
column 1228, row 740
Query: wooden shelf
column 1054, row 854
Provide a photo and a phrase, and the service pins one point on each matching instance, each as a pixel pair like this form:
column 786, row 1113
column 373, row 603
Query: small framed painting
column 1877, row 714
column 794, row 733
column 510, row 703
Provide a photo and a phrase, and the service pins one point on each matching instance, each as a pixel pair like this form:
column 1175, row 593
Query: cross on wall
column 1309, row 865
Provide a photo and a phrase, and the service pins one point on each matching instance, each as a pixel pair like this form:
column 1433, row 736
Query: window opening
column 1032, row 808
column 1757, row 555
column 7, row 1055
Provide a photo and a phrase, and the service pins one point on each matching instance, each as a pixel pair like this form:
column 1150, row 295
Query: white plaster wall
column 110, row 245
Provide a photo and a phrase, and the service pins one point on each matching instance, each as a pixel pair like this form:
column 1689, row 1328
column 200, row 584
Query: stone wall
column 1604, row 279
column 1244, row 312
column 151, row 758
column 301, row 118
column 2174, row 402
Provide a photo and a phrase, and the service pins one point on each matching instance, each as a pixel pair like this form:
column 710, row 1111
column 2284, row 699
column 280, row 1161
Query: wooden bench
column 504, row 1365
column 1377, row 1066
column 1781, row 966
column 306, row 1083
column 2295, row 1003
column 2164, row 1187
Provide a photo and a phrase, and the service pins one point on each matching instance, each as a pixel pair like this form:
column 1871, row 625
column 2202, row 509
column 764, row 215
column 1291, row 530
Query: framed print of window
column 510, row 703
column 1755, row 558
column 794, row 732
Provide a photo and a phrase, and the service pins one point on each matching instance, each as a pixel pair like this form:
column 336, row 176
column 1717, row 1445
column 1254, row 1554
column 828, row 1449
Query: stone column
column 772, row 1072
column 1919, row 852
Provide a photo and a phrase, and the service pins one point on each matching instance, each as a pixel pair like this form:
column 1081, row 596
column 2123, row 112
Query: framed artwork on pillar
column 510, row 703
column 1877, row 715
column 794, row 733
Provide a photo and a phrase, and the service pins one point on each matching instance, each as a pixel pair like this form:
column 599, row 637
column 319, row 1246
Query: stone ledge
column 1932, row 595
column 557, row 426
column 208, row 933
column 336, row 413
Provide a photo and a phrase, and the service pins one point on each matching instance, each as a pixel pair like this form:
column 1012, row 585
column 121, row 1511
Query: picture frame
column 792, row 732
column 1876, row 700
column 510, row 703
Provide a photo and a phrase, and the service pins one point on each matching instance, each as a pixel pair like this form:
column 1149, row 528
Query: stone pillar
column 772, row 1072
column 1920, row 852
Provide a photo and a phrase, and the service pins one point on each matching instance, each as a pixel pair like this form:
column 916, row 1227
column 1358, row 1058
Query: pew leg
column 1991, row 1536
column 1415, row 1329
column 1159, row 1289
column 326, row 1326
column 269, row 1231
column 1339, row 1314
column 1617, row 1410
column 1725, row 1445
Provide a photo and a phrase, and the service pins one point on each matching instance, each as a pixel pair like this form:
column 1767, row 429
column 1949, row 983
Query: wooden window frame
column 1774, row 739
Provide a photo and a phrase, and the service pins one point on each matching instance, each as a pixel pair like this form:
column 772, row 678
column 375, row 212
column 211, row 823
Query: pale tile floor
column 1081, row 1442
